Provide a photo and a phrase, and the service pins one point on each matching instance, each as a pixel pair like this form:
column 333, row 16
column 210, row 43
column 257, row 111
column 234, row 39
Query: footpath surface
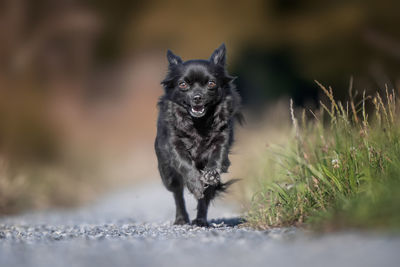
column 134, row 228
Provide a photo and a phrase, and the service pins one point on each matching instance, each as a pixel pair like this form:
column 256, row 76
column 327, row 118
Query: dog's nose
column 197, row 99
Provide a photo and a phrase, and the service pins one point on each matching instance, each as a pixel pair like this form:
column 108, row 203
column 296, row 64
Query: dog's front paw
column 211, row 177
column 195, row 186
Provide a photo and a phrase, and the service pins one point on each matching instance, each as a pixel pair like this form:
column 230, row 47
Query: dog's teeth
column 197, row 112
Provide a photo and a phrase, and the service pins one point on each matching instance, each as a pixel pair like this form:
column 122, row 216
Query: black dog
column 195, row 130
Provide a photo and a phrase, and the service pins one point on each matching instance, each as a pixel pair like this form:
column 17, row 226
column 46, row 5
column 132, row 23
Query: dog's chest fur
column 200, row 136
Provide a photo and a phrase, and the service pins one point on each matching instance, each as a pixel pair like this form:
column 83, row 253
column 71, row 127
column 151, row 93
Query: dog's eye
column 211, row 84
column 183, row 85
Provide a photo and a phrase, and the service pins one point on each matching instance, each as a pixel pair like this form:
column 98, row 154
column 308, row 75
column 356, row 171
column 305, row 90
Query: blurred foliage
column 26, row 132
column 324, row 40
column 115, row 16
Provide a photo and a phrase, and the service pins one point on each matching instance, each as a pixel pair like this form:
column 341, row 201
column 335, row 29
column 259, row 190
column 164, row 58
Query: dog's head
column 197, row 85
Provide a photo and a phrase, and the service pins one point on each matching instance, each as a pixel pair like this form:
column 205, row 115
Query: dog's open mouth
column 197, row 111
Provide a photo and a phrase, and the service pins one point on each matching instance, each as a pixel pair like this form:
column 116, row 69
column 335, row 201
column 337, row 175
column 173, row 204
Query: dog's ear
column 218, row 56
column 173, row 59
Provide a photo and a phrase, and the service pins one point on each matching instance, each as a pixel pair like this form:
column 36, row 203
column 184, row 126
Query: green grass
column 339, row 169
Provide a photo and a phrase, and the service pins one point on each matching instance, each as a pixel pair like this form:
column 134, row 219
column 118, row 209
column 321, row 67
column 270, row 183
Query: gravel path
column 133, row 228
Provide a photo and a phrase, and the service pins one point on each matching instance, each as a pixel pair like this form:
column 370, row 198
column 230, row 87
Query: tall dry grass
column 340, row 168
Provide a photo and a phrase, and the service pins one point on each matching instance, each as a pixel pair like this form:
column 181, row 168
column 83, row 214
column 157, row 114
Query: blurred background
column 79, row 80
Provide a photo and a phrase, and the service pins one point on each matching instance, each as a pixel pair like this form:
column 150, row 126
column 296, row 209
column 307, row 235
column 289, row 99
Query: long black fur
column 195, row 130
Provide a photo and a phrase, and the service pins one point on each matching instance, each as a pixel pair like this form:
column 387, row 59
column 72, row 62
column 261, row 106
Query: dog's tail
column 222, row 188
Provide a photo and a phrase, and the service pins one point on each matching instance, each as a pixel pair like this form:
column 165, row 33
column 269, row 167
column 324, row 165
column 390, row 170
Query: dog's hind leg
column 202, row 209
column 202, row 206
column 182, row 216
column 174, row 183
column 209, row 194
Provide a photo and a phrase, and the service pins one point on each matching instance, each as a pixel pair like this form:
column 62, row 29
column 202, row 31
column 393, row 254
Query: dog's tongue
column 198, row 108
